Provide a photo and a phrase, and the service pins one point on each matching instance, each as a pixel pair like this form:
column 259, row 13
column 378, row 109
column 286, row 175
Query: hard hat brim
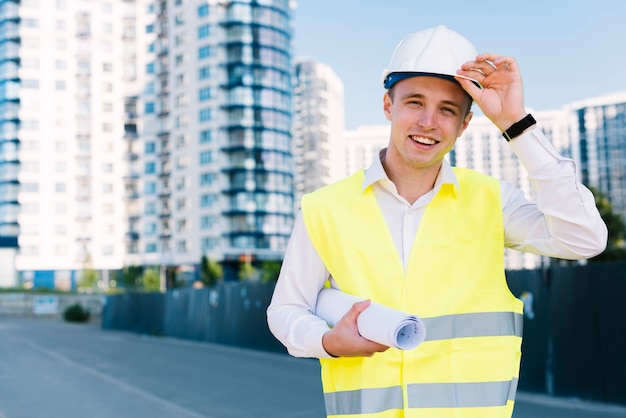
column 393, row 78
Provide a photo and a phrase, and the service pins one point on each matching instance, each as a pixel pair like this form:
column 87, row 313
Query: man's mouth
column 422, row 140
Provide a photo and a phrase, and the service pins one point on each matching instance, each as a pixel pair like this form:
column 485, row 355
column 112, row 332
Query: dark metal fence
column 574, row 324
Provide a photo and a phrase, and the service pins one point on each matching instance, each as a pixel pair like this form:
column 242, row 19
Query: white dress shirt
column 562, row 222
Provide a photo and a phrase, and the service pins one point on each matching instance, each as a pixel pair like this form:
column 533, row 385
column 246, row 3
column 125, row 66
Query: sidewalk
column 534, row 405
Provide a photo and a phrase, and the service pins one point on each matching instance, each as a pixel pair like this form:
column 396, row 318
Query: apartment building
column 68, row 74
column 144, row 132
column 214, row 164
column 318, row 125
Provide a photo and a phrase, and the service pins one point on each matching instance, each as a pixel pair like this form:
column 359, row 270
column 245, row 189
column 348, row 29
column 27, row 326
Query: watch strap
column 518, row 127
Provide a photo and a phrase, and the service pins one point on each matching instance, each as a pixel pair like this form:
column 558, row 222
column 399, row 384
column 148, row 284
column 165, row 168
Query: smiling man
column 415, row 234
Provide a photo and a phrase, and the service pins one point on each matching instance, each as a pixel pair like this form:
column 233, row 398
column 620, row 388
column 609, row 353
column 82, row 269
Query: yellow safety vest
column 468, row 366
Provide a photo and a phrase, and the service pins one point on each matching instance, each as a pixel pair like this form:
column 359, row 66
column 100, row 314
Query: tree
column 131, row 276
column 270, row 271
column 151, row 280
column 616, row 246
column 211, row 271
column 89, row 280
column 247, row 271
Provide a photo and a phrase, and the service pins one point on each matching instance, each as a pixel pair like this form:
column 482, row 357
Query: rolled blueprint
column 377, row 323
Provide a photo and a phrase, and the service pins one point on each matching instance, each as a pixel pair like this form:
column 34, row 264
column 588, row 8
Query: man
column 417, row 235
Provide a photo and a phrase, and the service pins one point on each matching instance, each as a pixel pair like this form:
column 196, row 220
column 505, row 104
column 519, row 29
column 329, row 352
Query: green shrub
column 76, row 313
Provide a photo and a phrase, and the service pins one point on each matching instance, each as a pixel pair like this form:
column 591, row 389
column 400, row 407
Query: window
column 150, row 68
column 151, row 247
column 59, row 85
column 204, row 52
column 150, row 28
column 107, row 107
column 60, row 65
column 205, row 136
column 150, row 208
column 107, row 67
column 150, row 228
column 60, row 187
column 204, row 94
column 206, row 179
column 203, row 31
column 181, row 246
column 149, row 108
column 206, row 222
column 181, row 204
column 30, row 84
column 181, row 100
column 30, row 63
column 179, row 60
column 204, row 73
column 150, row 187
column 209, row 244
column 207, row 200
column 179, row 39
column 205, row 115
column 203, row 10
column 30, row 23
column 150, row 168
column 30, row 187
column 206, row 157
column 150, row 148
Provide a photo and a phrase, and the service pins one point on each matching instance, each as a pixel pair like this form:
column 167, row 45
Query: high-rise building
column 9, row 139
column 597, row 132
column 214, row 164
column 361, row 146
column 64, row 88
column 144, row 132
column 317, row 127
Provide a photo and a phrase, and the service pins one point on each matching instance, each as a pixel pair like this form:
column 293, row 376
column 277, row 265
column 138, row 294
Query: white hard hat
column 436, row 51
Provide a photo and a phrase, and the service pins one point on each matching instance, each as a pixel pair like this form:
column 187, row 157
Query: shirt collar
column 376, row 173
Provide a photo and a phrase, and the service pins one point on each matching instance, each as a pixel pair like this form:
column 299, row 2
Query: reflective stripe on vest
column 481, row 324
column 422, row 395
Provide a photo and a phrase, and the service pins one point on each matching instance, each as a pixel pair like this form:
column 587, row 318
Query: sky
column 566, row 50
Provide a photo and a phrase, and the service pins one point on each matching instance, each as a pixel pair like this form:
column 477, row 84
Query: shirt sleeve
column 562, row 220
column 290, row 315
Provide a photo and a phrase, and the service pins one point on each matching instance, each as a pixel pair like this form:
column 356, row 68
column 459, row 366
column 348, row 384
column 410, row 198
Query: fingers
column 344, row 339
column 488, row 63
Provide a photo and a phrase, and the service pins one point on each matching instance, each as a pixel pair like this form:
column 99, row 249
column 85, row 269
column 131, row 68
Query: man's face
column 427, row 115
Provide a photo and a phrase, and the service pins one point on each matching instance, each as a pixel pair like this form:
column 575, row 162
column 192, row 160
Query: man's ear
column 465, row 123
column 387, row 106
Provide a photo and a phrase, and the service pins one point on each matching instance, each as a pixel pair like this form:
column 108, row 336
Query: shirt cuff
column 315, row 337
column 534, row 150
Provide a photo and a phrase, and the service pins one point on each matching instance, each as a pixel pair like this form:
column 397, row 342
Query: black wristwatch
column 518, row 127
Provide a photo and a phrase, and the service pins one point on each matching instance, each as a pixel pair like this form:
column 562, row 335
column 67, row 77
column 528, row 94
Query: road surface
column 53, row 369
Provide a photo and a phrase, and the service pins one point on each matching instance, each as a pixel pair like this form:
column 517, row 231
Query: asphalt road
column 52, row 369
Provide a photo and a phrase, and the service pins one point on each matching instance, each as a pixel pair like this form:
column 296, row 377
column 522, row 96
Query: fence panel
column 588, row 315
column 574, row 340
column 531, row 287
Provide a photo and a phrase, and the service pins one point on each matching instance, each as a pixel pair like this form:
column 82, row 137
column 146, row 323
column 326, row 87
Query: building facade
column 144, row 132
column 215, row 163
column 317, row 127
column 72, row 72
